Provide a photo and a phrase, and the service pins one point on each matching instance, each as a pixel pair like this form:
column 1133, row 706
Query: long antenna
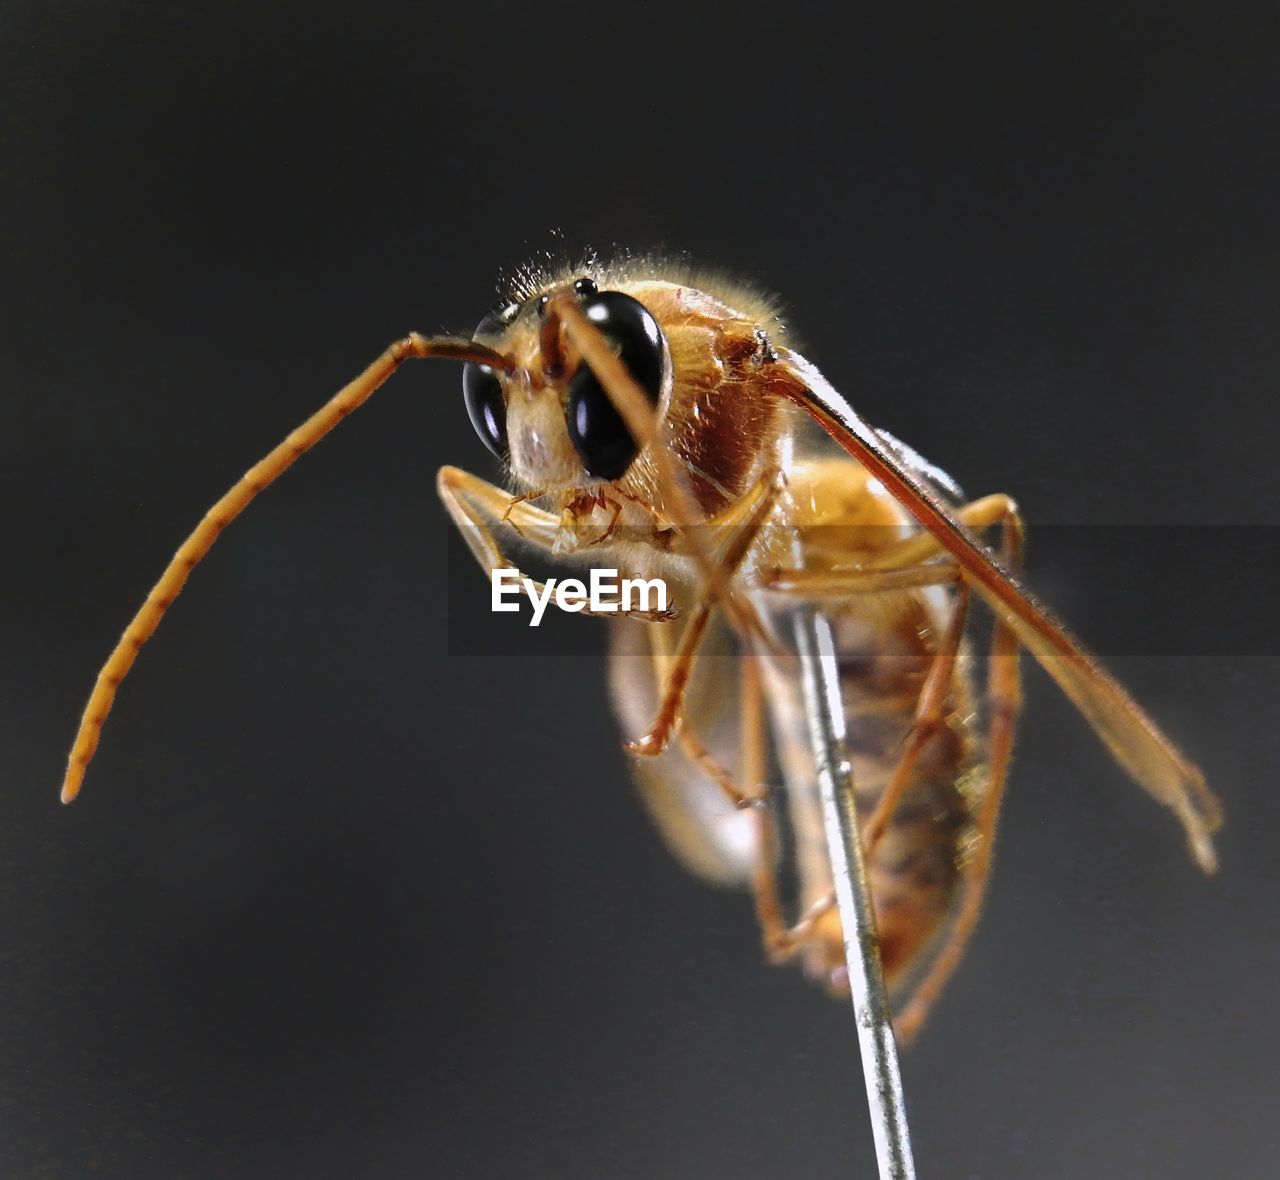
column 192, row 551
column 820, row 676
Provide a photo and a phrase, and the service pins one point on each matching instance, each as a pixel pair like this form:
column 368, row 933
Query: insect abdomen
column 886, row 647
column 914, row 866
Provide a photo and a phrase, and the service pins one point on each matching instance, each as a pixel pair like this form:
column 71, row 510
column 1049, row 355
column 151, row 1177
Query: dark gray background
column 338, row 903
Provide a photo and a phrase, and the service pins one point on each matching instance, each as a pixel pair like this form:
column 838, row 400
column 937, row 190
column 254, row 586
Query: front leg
column 743, row 521
column 482, row 511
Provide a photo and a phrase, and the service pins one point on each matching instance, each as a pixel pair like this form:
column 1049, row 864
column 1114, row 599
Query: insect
column 663, row 425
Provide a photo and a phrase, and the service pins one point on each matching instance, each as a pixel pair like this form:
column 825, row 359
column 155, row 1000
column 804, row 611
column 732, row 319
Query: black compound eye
column 603, row 442
column 486, row 406
column 481, row 389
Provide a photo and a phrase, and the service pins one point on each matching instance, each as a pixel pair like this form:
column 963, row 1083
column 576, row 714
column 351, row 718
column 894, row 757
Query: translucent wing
column 934, row 478
column 1131, row 736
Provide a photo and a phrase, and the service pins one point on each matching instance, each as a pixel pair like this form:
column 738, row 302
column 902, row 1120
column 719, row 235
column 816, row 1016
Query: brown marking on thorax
column 721, row 421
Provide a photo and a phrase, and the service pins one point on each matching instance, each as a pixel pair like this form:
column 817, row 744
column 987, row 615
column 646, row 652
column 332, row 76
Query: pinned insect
column 665, row 426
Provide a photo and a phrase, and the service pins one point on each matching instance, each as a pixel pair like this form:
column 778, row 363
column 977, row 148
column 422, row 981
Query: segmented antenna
column 192, row 551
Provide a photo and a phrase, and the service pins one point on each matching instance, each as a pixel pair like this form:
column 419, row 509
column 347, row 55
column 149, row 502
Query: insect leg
column 840, row 583
column 693, row 746
column 755, row 507
column 680, row 669
column 930, row 712
column 1004, row 702
column 781, row 941
column 764, row 879
column 480, row 510
column 998, row 508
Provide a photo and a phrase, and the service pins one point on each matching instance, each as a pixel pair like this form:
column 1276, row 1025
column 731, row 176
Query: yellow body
column 727, row 497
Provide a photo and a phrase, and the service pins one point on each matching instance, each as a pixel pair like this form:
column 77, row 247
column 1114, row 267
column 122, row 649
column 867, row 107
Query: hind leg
column 1004, row 702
